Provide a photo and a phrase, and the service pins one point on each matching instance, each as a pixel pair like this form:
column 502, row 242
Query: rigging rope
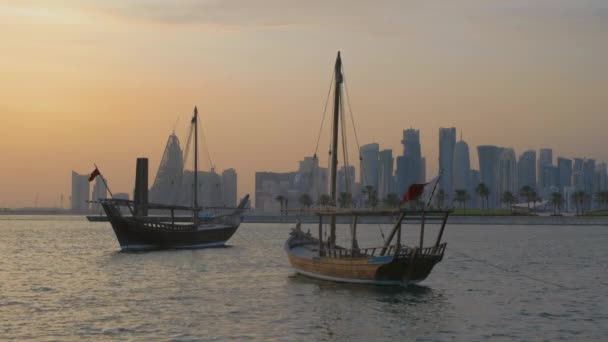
column 516, row 272
column 331, row 82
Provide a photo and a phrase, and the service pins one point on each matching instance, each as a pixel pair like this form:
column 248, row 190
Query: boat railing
column 393, row 250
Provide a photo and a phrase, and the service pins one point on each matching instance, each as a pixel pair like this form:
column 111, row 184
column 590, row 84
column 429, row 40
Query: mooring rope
column 515, row 272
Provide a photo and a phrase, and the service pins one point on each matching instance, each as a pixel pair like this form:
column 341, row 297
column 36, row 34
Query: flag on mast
column 94, row 174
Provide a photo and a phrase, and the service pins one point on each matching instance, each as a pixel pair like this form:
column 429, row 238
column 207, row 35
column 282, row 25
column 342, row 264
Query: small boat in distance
column 393, row 263
column 138, row 231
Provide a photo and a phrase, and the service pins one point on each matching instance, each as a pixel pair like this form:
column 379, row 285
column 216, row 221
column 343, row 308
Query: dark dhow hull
column 134, row 235
column 145, row 233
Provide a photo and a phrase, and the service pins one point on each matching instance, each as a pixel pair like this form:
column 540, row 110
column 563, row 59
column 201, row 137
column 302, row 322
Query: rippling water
column 63, row 278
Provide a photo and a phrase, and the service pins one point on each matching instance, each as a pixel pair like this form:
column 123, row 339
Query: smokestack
column 140, row 196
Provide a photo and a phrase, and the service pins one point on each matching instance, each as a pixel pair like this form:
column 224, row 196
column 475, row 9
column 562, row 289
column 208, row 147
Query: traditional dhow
column 138, row 231
column 393, row 263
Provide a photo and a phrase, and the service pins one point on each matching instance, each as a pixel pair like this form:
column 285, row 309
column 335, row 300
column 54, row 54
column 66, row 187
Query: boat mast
column 195, row 123
column 334, row 142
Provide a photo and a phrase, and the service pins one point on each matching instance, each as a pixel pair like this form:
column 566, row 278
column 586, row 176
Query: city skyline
column 112, row 70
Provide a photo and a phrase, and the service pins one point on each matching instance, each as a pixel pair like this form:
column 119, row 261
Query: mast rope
column 205, row 145
column 515, row 272
column 331, row 82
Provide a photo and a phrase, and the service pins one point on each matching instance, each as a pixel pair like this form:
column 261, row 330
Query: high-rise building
column 80, row 193
column 589, row 176
column 345, row 180
column 526, row 169
column 601, row 177
column 422, row 178
column 507, row 172
column 462, row 167
column 385, row 173
column 409, row 166
column 270, row 185
column 489, row 156
column 545, row 162
column 577, row 174
column 447, row 142
column 311, row 179
column 229, row 187
column 168, row 182
column 369, row 165
column 564, row 167
column 99, row 192
column 475, row 179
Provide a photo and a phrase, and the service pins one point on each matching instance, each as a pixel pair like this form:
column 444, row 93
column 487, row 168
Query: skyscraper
column 369, row 165
column 385, row 173
column 447, row 142
column 488, row 170
column 601, row 177
column 80, row 193
column 526, row 169
column 545, row 162
column 229, row 187
column 577, row 174
column 507, row 172
column 588, row 176
column 462, row 167
column 564, row 167
column 311, row 178
column 168, row 181
column 409, row 165
column 99, row 192
column 345, row 180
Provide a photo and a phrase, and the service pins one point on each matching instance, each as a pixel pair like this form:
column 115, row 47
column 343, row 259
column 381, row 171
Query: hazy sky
column 105, row 81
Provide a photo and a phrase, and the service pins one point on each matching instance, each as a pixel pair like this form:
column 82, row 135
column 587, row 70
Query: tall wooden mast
column 195, row 123
column 334, row 141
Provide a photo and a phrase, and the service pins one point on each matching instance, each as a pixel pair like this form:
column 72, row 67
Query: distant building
column 601, row 177
column 589, row 181
column 229, row 188
column 121, row 195
column 545, row 162
column 345, row 181
column 489, row 156
column 369, row 165
column 168, row 182
column 577, row 174
column 410, row 167
column 209, row 191
column 422, row 178
column 270, row 185
column 99, row 192
column 462, row 167
column 385, row 173
column 507, row 172
column 447, row 142
column 80, row 193
column 526, row 169
column 564, row 167
column 475, row 179
column 311, row 179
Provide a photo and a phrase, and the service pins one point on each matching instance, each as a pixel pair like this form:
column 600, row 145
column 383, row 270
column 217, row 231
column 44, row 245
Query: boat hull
column 134, row 236
column 379, row 270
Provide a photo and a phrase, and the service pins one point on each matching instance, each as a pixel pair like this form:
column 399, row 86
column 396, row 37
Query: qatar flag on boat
column 422, row 191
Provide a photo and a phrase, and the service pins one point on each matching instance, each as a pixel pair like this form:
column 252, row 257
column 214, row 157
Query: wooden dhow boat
column 393, row 263
column 138, row 231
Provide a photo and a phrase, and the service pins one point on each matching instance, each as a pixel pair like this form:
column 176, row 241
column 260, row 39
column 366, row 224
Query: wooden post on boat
column 422, row 229
column 320, row 235
column 355, row 244
column 399, row 237
column 387, row 243
column 443, row 223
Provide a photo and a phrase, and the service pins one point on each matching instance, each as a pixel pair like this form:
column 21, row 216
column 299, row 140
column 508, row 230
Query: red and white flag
column 422, row 191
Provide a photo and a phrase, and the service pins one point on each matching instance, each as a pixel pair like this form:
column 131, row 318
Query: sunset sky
column 105, row 81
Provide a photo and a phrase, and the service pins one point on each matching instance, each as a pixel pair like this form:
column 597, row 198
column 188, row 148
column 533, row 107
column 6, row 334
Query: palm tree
column 392, row 200
column 462, row 196
column 601, row 198
column 440, row 198
column 372, row 196
column 483, row 192
column 557, row 200
column 345, row 199
column 305, row 200
column 325, row 200
column 281, row 200
column 526, row 193
column 509, row 199
column 579, row 199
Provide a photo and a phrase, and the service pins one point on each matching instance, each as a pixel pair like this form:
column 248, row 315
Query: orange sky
column 105, row 81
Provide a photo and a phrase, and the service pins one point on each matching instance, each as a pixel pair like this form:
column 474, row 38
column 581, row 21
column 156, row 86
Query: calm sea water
column 63, row 278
